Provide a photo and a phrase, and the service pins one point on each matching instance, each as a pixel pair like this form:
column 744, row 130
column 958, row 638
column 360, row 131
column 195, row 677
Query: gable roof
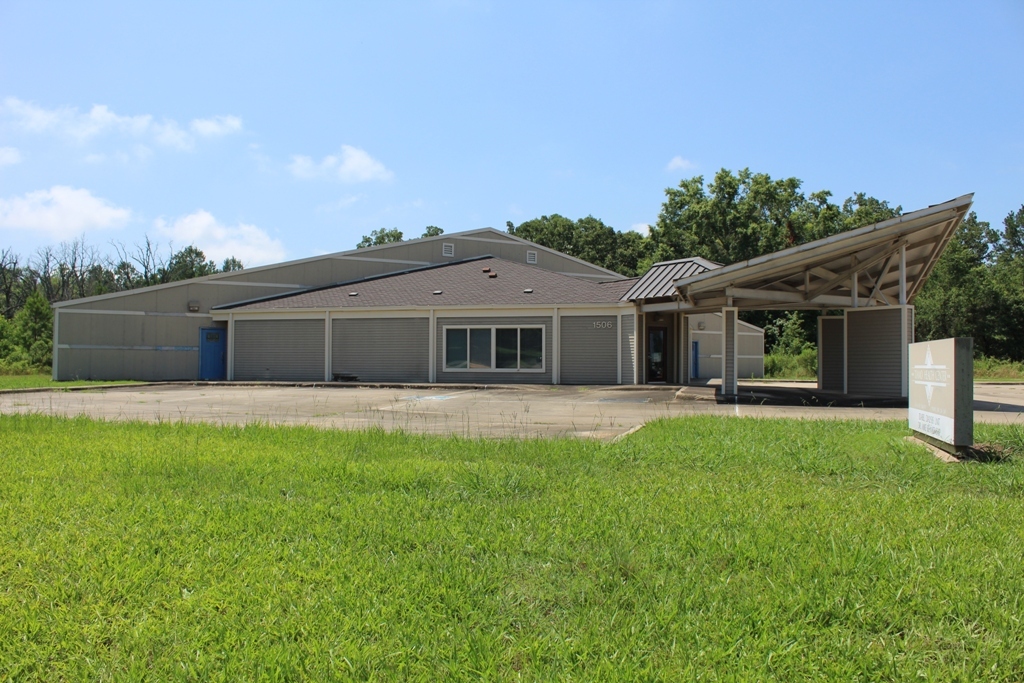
column 264, row 273
column 461, row 283
column 658, row 282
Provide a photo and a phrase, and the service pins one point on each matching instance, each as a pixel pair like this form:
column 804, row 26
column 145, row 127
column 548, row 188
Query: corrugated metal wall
column 492, row 377
column 382, row 349
column 628, row 348
column 588, row 349
column 874, row 361
column 830, row 354
column 279, row 350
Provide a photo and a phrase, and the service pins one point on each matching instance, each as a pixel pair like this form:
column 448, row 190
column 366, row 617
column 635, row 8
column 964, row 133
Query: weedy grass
column 40, row 381
column 996, row 369
column 700, row 548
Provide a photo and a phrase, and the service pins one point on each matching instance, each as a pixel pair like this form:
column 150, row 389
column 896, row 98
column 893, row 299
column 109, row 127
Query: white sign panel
column 942, row 391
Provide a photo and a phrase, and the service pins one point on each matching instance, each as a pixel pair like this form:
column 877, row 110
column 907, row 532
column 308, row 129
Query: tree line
column 976, row 289
column 73, row 270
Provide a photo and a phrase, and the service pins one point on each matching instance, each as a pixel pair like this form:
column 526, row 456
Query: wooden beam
column 882, row 273
column 855, row 266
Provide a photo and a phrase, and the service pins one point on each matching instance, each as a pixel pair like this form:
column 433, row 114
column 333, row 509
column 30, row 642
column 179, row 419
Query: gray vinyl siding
column 588, row 354
column 382, row 350
column 873, row 352
column 830, row 354
column 628, row 348
column 279, row 350
column 729, row 342
column 683, row 375
column 750, row 368
column 494, row 377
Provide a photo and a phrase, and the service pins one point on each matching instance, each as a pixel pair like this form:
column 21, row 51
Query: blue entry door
column 213, row 353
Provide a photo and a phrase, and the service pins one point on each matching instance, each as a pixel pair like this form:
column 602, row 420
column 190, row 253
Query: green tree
column 960, row 298
column 231, row 264
column 432, row 231
column 587, row 238
column 188, row 263
column 381, row 236
column 736, row 217
column 33, row 329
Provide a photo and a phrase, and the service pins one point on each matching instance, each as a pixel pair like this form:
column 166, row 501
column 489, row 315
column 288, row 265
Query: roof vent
column 353, row 293
column 437, row 291
column 527, row 291
column 486, row 270
column 531, row 257
column 447, row 249
column 492, row 275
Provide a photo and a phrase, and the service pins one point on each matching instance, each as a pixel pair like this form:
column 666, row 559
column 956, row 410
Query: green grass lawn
column 701, row 548
column 40, row 381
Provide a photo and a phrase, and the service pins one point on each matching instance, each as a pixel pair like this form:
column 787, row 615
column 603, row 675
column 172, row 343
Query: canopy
column 882, row 264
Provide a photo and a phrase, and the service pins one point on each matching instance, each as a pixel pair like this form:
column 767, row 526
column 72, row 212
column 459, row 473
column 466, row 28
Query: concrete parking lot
column 520, row 411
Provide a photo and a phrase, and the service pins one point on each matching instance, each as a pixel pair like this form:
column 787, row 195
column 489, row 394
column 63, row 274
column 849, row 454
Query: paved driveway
column 603, row 412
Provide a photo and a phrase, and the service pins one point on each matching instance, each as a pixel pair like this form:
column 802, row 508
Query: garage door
column 279, row 350
column 382, row 349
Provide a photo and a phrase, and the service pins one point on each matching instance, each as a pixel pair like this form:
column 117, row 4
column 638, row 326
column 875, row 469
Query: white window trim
column 494, row 341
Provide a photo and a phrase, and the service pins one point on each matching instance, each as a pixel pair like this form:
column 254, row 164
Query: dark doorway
column 657, row 367
column 213, row 353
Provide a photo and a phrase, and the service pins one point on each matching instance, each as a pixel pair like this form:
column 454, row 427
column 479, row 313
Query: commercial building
column 438, row 309
column 487, row 307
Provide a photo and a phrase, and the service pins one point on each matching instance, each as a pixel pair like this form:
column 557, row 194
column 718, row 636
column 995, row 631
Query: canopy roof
column 886, row 259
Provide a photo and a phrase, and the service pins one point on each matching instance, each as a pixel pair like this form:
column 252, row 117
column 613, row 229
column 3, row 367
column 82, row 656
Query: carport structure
column 863, row 281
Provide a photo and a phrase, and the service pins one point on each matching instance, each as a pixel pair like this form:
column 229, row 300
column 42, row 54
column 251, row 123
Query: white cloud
column 249, row 244
column 216, row 126
column 9, row 156
column 101, row 120
column 353, row 165
column 62, row 212
column 678, row 163
column 340, row 204
column 642, row 228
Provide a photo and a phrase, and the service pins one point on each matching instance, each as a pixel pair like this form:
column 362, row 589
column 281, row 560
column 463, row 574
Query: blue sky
column 274, row 131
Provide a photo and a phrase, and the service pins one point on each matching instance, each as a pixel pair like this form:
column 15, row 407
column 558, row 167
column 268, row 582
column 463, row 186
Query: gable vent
column 531, row 257
column 447, row 249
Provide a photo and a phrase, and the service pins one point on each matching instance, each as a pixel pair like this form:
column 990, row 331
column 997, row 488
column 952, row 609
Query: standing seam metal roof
column 659, row 281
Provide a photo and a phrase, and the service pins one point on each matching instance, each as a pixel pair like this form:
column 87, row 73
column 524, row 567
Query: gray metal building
column 154, row 333
column 487, row 307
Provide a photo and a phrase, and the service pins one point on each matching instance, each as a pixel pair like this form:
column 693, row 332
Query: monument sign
column 941, row 405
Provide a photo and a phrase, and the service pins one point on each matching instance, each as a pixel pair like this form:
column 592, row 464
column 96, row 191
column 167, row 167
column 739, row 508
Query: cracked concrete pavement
column 508, row 411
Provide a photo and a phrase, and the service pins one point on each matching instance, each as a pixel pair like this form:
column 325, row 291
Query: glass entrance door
column 657, row 369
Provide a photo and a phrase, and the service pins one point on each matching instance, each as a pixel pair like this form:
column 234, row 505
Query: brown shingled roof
column 460, row 284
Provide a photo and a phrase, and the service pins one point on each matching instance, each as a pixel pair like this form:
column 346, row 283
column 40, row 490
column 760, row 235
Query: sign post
column 941, row 402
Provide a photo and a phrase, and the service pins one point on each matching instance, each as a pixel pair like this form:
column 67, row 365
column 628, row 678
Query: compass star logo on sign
column 930, row 375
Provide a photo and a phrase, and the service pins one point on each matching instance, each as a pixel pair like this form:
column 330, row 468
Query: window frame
column 494, row 348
